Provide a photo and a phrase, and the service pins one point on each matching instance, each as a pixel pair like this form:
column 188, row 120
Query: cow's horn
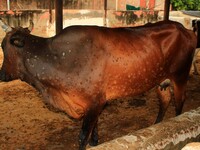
column 4, row 26
column 31, row 26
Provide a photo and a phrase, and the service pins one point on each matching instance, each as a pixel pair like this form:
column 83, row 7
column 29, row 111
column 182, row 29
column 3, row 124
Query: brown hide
column 72, row 68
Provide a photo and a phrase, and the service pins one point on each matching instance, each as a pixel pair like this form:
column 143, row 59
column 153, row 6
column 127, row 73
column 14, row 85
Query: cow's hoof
column 93, row 142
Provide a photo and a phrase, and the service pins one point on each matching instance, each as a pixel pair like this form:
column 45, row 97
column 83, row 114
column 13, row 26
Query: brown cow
column 83, row 67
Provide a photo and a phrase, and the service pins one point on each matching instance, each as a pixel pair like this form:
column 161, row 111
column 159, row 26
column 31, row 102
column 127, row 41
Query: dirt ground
column 29, row 124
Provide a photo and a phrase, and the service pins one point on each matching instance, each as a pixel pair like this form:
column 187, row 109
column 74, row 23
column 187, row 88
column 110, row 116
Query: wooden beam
column 59, row 15
column 166, row 9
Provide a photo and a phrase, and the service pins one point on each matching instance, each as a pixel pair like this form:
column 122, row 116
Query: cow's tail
column 196, row 30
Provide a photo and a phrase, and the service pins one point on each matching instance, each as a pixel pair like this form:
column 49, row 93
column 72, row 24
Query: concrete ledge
column 192, row 146
column 171, row 134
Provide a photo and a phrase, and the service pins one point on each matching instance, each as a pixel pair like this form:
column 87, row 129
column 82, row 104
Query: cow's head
column 12, row 46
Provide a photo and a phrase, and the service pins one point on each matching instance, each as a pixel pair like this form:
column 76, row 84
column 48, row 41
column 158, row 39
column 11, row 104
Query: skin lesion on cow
column 83, row 67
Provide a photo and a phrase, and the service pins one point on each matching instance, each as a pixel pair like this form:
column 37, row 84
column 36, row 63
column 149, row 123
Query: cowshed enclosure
column 28, row 123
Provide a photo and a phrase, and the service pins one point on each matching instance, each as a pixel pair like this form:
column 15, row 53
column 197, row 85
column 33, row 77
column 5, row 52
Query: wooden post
column 105, row 13
column 8, row 4
column 166, row 9
column 59, row 15
column 116, row 5
column 50, row 11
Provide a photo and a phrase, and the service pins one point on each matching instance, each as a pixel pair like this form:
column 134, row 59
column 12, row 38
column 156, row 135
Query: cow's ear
column 17, row 40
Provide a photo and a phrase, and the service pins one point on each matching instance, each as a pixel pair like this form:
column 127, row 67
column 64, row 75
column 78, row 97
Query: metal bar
column 166, row 9
column 59, row 15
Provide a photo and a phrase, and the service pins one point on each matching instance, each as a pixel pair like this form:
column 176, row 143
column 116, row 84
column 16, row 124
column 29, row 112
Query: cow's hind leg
column 195, row 67
column 164, row 95
column 180, row 82
column 196, row 72
column 179, row 94
column 89, row 125
column 94, row 135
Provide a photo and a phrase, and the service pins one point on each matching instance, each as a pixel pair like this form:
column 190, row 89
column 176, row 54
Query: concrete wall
column 80, row 4
column 43, row 26
column 45, row 4
column 121, row 4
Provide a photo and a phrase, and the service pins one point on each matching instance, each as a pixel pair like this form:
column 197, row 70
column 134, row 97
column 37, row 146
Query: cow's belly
column 120, row 90
column 72, row 103
column 131, row 82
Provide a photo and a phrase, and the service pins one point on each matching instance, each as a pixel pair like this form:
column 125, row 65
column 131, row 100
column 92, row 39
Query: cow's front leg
column 94, row 135
column 89, row 125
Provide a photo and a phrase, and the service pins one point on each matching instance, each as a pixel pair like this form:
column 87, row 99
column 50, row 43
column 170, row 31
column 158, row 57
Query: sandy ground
column 29, row 124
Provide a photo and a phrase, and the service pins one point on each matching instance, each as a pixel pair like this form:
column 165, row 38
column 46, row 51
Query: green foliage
column 185, row 4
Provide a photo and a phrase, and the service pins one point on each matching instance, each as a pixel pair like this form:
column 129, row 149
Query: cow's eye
column 17, row 40
column 18, row 43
